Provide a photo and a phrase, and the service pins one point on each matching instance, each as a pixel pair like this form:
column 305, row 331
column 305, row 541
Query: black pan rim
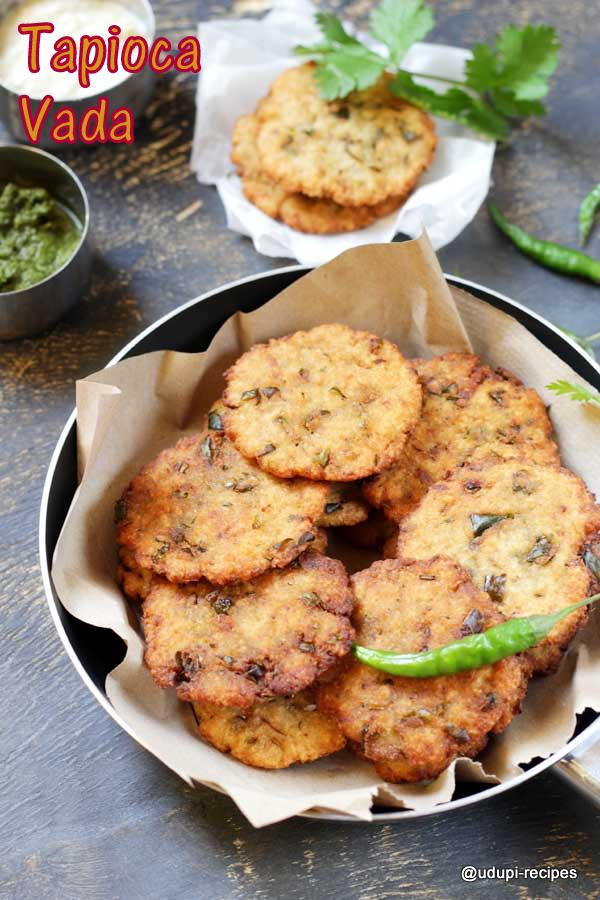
column 501, row 301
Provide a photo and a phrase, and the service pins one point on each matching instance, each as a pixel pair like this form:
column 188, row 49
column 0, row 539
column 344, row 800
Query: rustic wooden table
column 86, row 813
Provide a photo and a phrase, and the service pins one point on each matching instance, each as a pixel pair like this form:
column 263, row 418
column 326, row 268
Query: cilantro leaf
column 575, row 391
column 514, row 73
column 480, row 71
column 340, row 72
column 528, row 57
column 399, row 24
column 336, row 37
column 503, row 81
column 507, row 104
column 517, row 68
column 333, row 30
column 314, row 50
column 455, row 104
column 583, row 342
column 333, row 81
column 344, row 64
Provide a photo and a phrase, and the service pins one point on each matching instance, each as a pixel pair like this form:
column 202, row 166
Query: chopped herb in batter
column 481, row 523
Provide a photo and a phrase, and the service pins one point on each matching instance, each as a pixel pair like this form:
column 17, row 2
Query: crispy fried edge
column 325, row 735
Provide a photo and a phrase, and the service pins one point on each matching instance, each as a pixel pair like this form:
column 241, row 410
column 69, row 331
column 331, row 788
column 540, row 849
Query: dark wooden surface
column 85, row 812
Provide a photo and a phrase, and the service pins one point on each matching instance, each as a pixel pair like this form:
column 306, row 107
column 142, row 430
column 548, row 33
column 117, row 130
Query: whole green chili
column 471, row 652
column 587, row 213
column 548, row 254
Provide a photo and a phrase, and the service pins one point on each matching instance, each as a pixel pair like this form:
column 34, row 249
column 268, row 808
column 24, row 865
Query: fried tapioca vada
column 470, row 412
column 413, row 728
column 264, row 638
column 521, row 532
column 307, row 214
column 200, row 510
column 357, row 151
column 136, row 583
column 273, row 734
column 345, row 506
column 329, row 404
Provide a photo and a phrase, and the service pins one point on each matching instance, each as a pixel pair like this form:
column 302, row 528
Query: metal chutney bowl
column 31, row 310
column 133, row 92
column 96, row 651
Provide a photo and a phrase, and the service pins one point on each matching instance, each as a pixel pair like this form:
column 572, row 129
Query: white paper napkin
column 241, row 58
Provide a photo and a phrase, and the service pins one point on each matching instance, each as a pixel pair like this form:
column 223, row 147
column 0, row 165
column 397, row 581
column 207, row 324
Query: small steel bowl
column 133, row 92
column 31, row 310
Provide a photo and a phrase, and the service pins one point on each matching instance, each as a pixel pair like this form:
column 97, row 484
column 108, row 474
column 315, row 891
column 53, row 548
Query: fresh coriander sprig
column 575, row 391
column 345, row 64
column 585, row 341
column 502, row 82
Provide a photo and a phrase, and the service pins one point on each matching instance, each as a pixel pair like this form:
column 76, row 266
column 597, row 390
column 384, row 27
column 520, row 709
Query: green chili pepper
column 471, row 652
column 548, row 254
column 587, row 213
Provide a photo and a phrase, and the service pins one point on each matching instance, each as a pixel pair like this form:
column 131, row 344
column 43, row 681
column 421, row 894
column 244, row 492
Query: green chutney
column 37, row 236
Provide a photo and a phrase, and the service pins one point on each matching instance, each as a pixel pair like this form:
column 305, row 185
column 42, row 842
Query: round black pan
column 190, row 328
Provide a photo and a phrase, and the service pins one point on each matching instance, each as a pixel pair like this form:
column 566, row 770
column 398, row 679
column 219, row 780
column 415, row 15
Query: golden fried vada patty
column 308, row 214
column 413, row 728
column 330, row 404
column 358, row 151
column 521, row 532
column 273, row 734
column 235, row 645
column 200, row 510
column 345, row 505
column 136, row 583
column 470, row 412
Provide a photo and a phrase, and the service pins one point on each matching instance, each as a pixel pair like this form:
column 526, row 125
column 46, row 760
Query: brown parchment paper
column 127, row 413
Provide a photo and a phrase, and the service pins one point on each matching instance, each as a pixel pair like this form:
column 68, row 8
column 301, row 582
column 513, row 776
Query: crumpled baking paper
column 242, row 57
column 129, row 412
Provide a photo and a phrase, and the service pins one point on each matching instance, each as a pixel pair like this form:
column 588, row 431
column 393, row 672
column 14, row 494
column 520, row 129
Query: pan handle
column 581, row 768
